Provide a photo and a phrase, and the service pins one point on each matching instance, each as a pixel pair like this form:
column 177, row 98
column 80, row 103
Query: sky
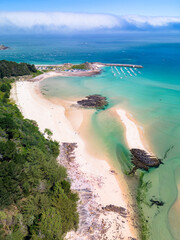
column 116, row 7
column 89, row 15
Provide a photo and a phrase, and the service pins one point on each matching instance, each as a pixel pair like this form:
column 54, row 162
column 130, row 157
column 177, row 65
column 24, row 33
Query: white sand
column 66, row 74
column 133, row 136
column 86, row 172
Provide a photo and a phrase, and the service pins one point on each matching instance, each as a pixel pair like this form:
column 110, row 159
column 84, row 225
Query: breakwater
column 119, row 65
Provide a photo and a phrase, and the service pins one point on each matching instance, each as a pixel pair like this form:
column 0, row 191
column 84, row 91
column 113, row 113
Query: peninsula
column 141, row 157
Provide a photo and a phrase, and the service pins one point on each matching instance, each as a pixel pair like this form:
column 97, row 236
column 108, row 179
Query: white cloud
column 140, row 21
column 58, row 19
column 54, row 21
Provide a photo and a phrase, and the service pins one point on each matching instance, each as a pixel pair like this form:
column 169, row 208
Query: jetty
column 118, row 65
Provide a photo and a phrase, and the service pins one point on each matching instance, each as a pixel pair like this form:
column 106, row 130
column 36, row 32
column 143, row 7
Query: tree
column 48, row 132
column 50, row 224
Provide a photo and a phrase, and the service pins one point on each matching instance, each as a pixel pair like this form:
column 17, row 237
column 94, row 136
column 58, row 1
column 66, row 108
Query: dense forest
column 9, row 69
column 35, row 198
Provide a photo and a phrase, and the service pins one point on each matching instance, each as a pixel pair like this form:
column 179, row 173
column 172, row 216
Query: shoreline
column 50, row 74
column 134, row 135
column 86, row 172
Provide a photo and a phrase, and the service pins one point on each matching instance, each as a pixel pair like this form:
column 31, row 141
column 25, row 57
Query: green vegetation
column 35, row 198
column 141, row 199
column 44, row 71
column 37, row 73
column 82, row 66
column 13, row 69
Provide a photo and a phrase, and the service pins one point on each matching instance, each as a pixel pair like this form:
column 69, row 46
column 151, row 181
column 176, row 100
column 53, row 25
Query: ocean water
column 151, row 95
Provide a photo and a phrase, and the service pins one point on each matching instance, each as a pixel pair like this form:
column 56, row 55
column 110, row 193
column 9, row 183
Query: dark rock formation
column 112, row 208
column 2, row 47
column 141, row 159
column 67, row 151
column 156, row 202
column 94, row 101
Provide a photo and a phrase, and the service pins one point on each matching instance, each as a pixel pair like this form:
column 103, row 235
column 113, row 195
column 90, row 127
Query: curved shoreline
column 50, row 74
column 133, row 134
column 86, row 172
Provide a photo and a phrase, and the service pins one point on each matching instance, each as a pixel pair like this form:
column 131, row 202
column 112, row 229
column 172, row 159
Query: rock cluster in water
column 141, row 159
column 94, row 101
column 2, row 47
column 156, row 202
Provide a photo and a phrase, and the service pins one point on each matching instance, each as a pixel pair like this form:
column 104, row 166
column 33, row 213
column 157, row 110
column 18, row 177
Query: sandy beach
column 92, row 178
column 134, row 137
column 86, row 73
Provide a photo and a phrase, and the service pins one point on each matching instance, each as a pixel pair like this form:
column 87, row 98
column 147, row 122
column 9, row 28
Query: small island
column 3, row 47
column 94, row 101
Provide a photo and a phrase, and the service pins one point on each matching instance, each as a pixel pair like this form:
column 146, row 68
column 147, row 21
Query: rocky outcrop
column 94, row 101
column 2, row 47
column 112, row 208
column 141, row 159
column 156, row 202
column 67, row 151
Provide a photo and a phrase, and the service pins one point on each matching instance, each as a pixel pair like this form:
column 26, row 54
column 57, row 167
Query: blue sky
column 117, row 7
column 88, row 15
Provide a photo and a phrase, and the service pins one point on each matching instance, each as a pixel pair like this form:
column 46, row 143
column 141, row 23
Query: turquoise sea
column 151, row 95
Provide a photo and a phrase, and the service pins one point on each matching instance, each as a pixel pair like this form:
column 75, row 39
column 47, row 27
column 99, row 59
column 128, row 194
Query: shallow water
column 157, row 110
column 151, row 95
